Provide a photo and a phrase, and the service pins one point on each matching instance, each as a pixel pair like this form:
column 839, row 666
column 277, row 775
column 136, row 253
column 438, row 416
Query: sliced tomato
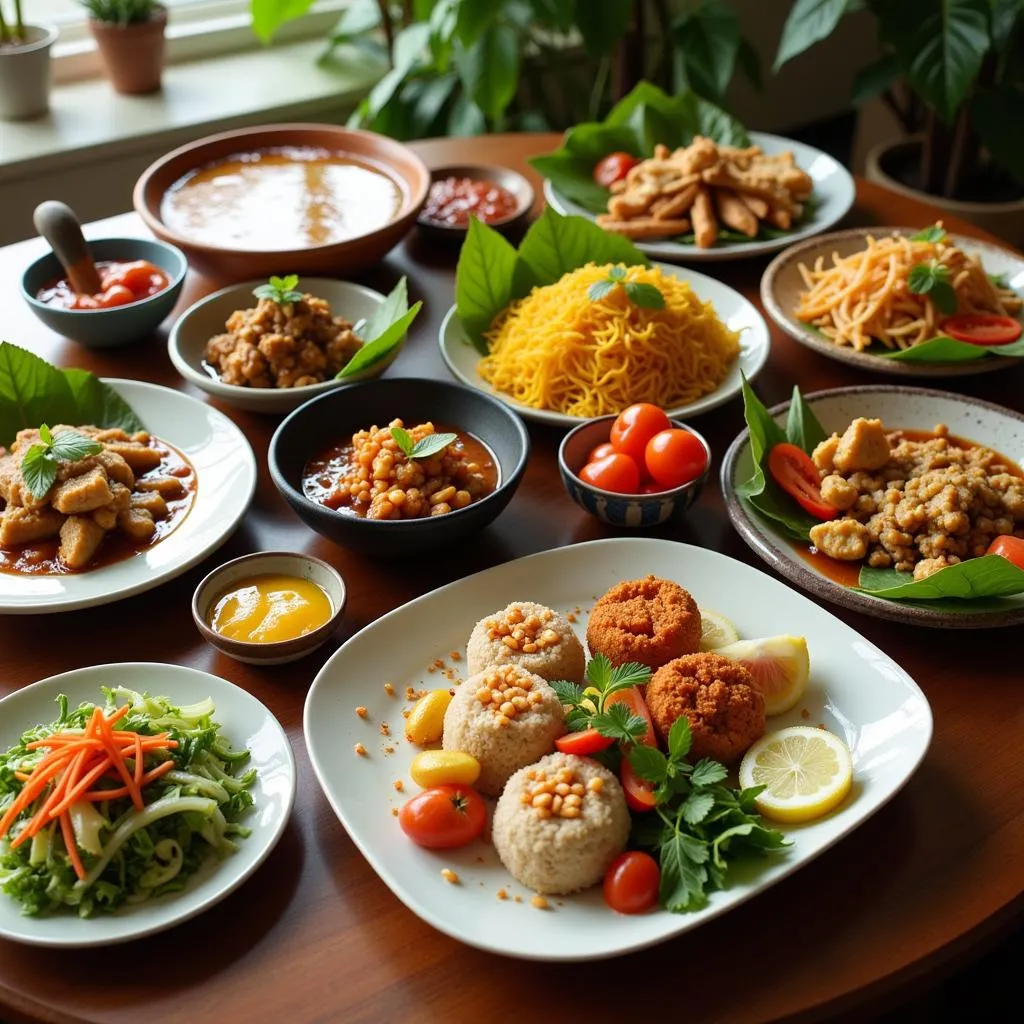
column 982, row 328
column 1010, row 548
column 614, row 167
column 634, row 700
column 639, row 794
column 584, row 743
column 795, row 472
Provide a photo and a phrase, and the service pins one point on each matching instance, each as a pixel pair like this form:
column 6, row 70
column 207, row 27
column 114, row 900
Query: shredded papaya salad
column 114, row 804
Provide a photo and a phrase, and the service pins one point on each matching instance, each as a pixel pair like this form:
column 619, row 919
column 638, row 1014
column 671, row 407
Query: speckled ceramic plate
column 782, row 284
column 855, row 690
column 911, row 409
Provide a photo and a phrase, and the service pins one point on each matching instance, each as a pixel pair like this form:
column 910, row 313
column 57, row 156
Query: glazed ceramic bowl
column 625, row 510
column 265, row 563
column 119, row 325
column 391, row 158
column 339, row 413
column 187, row 342
column 513, row 181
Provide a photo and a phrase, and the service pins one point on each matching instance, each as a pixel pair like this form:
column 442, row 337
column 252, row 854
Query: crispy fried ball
column 650, row 621
column 718, row 696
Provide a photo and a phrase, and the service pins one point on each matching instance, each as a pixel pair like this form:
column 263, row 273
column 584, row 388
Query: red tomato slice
column 631, row 883
column 614, row 167
column 584, row 743
column 1010, row 548
column 795, row 472
column 982, row 328
column 633, row 699
column 639, row 794
column 443, row 816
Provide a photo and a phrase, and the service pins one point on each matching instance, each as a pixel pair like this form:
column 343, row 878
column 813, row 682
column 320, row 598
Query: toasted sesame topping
column 394, row 812
column 539, row 902
column 361, row 711
column 385, row 729
column 449, row 876
column 398, row 785
column 389, row 689
column 360, row 750
column 455, row 656
column 521, row 632
column 560, row 796
column 502, row 895
column 507, row 692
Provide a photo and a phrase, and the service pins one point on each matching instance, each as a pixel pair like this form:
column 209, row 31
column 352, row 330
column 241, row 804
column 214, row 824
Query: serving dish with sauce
column 499, row 196
column 122, row 282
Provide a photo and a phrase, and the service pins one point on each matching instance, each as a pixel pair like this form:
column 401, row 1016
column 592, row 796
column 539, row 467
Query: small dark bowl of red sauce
column 141, row 281
column 499, row 197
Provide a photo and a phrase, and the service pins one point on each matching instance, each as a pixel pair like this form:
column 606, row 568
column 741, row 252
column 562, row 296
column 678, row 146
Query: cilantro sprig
column 640, row 294
column 932, row 279
column 699, row 823
column 39, row 467
column 432, row 444
column 589, row 710
column 933, row 233
column 282, row 290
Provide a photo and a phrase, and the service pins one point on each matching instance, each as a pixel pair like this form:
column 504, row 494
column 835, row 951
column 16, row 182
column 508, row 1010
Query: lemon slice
column 807, row 772
column 716, row 631
column 780, row 666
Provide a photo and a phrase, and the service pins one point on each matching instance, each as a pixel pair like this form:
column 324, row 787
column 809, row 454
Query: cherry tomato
column 675, row 457
column 795, row 472
column 635, row 426
column 116, row 295
column 639, row 793
column 614, row 167
column 982, row 328
column 443, row 817
column 1011, row 548
column 140, row 277
column 617, row 473
column 634, row 700
column 631, row 883
column 601, row 451
column 584, row 743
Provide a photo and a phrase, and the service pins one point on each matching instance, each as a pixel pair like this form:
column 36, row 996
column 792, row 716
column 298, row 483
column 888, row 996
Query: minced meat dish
column 913, row 505
column 282, row 345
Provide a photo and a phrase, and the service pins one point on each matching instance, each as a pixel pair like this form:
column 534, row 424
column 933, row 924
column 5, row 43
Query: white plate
column 855, row 690
column 734, row 310
column 225, row 477
column 834, row 192
column 186, row 344
column 243, row 720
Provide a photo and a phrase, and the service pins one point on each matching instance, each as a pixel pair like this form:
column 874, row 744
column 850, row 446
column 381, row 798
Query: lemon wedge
column 807, row 772
column 716, row 631
column 780, row 666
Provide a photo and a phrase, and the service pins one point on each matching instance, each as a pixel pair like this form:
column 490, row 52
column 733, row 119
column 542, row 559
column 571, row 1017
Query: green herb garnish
column 424, row 447
column 592, row 711
column 39, row 467
column 281, row 290
column 934, row 233
column 383, row 331
column 701, row 823
column 932, row 279
column 643, row 295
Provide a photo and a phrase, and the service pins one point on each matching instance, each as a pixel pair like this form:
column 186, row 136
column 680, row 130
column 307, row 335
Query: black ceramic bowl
column 339, row 413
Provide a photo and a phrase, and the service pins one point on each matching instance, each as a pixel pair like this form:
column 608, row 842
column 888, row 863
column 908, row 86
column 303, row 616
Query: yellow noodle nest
column 558, row 349
column 865, row 297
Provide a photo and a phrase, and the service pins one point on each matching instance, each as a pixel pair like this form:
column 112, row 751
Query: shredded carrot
column 122, row 768
column 71, row 846
column 96, row 795
column 138, row 761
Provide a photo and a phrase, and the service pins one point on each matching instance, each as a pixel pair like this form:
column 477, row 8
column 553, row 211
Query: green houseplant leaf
column 489, row 70
column 707, row 42
column 809, row 22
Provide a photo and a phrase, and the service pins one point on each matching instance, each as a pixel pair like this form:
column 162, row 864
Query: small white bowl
column 207, row 317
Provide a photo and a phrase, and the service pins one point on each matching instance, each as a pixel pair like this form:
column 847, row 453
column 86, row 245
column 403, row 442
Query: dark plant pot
column 1003, row 219
column 132, row 54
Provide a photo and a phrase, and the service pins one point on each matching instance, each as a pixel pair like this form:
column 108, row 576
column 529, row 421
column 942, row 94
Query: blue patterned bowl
column 627, row 510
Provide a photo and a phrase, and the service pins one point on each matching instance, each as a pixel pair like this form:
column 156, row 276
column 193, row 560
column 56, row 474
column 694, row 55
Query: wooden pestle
column 57, row 223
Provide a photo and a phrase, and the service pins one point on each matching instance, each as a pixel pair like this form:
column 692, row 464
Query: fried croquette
column 719, row 698
column 650, row 621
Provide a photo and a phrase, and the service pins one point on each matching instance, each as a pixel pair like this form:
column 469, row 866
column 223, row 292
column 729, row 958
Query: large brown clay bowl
column 334, row 259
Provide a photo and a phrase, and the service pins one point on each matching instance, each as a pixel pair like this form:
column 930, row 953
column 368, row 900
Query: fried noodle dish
column 559, row 349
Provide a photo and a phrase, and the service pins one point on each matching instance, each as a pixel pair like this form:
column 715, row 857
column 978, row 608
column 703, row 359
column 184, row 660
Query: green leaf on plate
column 99, row 404
column 31, row 392
column 987, row 576
column 483, row 280
column 383, row 331
column 943, row 349
column 646, row 296
column 802, row 426
column 934, row 233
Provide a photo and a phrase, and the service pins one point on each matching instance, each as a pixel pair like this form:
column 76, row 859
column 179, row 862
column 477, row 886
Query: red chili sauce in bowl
column 452, row 201
column 122, row 283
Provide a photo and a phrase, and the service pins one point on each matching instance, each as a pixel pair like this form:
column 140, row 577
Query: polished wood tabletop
column 315, row 935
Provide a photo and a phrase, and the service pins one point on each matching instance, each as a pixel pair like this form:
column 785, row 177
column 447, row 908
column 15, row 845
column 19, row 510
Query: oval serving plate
column 225, row 480
column 834, row 192
column 897, row 407
column 736, row 312
column 244, row 721
column 855, row 690
column 782, row 284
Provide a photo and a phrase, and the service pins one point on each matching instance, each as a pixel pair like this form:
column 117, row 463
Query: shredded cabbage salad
column 128, row 854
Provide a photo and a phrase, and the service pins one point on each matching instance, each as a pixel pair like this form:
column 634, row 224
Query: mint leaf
column 45, row 436
column 679, row 738
column 696, row 807
column 281, row 290
column 403, row 439
column 617, row 273
column 935, row 233
column 599, row 289
column 430, row 445
column 38, row 471
column 646, row 296
column 921, row 278
column 944, row 297
column 72, row 446
column 932, row 279
column 707, row 772
column 649, row 763
column 483, row 280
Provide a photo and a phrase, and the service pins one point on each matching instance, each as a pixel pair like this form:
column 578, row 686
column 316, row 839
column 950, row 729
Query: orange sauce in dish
column 122, row 282
column 279, row 199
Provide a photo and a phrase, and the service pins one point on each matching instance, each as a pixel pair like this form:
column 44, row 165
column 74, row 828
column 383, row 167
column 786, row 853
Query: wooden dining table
column 314, row 935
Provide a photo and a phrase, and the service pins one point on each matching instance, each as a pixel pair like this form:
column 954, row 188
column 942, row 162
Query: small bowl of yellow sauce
column 269, row 608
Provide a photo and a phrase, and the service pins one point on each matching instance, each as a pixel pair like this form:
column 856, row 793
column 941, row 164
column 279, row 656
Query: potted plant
column 130, row 37
column 24, row 64
column 952, row 73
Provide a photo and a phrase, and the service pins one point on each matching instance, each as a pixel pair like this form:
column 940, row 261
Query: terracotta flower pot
column 132, row 54
column 25, row 74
